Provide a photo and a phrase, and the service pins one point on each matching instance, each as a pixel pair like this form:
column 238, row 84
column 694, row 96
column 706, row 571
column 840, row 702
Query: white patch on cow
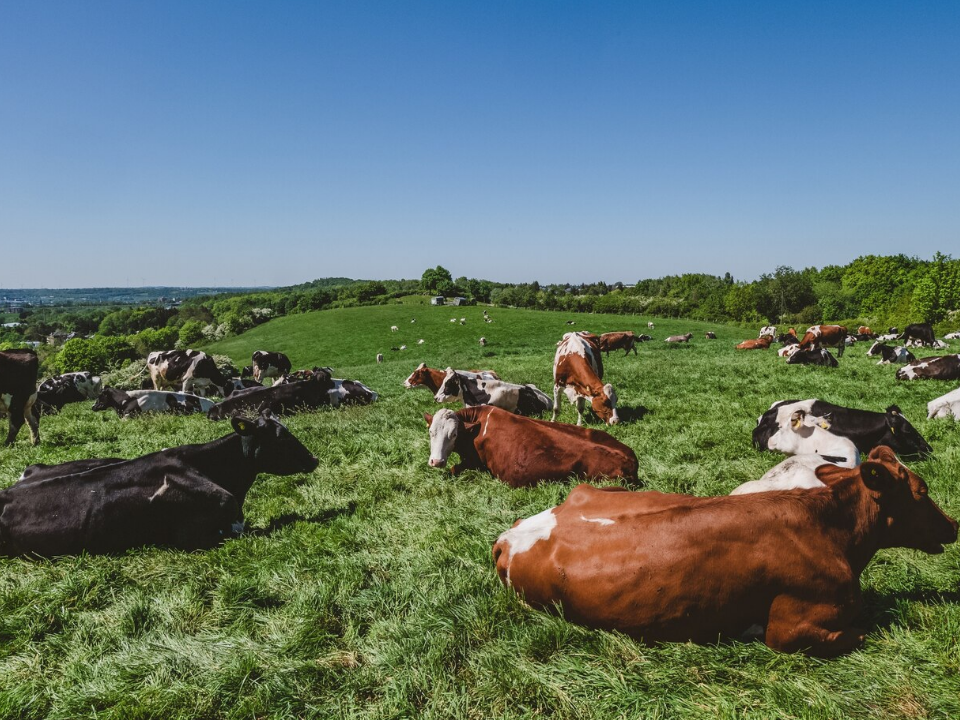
column 803, row 434
column 527, row 533
column 599, row 521
column 420, row 341
column 443, row 435
column 945, row 405
column 163, row 489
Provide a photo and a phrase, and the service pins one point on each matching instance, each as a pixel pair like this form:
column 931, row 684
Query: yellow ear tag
column 892, row 431
column 825, row 426
column 873, row 472
column 242, row 425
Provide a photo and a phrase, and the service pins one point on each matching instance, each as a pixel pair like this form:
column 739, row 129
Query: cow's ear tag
column 873, row 472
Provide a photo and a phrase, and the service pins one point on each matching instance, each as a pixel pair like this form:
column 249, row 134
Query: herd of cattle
column 611, row 557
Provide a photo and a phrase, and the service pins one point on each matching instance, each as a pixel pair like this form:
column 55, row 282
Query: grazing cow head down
column 272, row 447
column 605, row 406
column 444, row 427
column 902, row 437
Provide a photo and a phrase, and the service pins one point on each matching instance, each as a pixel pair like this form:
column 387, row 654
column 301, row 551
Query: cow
column 483, row 342
column 644, row 338
column 945, row 405
column 303, row 374
column 680, row 338
column 889, row 355
column 350, row 392
column 865, row 330
column 420, row 341
column 379, row 358
column 521, row 451
column 770, row 330
column 18, row 392
column 281, row 399
column 952, row 336
column 923, row 332
column 432, row 379
column 818, row 336
column 131, row 403
column 805, row 433
column 269, row 365
column 788, row 338
column 893, row 330
column 394, row 328
column 649, row 325
column 521, row 399
column 189, row 497
column 887, row 338
column 817, row 356
column 788, row 350
column 578, row 371
column 710, row 335
column 939, row 367
column 865, row 428
column 797, row 471
column 672, row 568
column 759, row 344
column 625, row 341
column 235, row 385
column 56, row 392
column 185, row 370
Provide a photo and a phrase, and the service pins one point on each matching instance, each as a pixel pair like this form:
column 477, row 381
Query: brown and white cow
column 625, row 341
column 18, row 392
column 939, row 367
column 680, row 338
column 819, row 336
column 522, row 451
column 432, row 379
column 671, row 568
column 759, row 344
column 578, row 371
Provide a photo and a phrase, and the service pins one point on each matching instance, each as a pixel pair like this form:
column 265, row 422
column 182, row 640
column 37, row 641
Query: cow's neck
column 227, row 463
column 859, row 529
column 434, row 379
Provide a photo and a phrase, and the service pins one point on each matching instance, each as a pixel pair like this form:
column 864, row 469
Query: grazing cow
column 269, row 365
column 952, row 336
column 420, row 341
column 710, row 335
column 132, row 403
column 189, row 497
column 625, row 341
column 817, row 356
column 770, row 330
column 393, row 328
column 413, row 320
column 671, row 568
column 185, row 370
column 796, row 472
column 350, row 392
column 61, row 390
column 818, row 336
column 945, row 405
column 865, row 428
column 522, row 451
column 521, row 399
column 759, row 344
column 922, row 332
column 650, row 325
column 283, row 398
column 432, row 379
column 379, row 357
column 889, row 355
column 483, row 342
column 578, row 370
column 808, row 434
column 18, row 392
column 463, row 321
column 680, row 338
column 644, row 338
column 940, row 367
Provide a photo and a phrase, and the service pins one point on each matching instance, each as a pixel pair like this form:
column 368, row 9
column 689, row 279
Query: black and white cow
column 918, row 331
column 234, row 384
column 18, row 392
column 867, row 429
column 132, row 403
column 812, row 357
column 61, row 390
column 188, row 497
column 940, row 367
column 521, row 399
column 952, row 336
column 283, row 398
column 186, row 371
column 889, row 355
column 945, row 406
column 350, row 392
column 267, row 365
column 802, row 432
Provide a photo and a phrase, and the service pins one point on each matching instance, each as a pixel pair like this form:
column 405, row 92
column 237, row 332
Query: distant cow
column 625, row 341
column 812, row 357
column 394, row 328
column 710, row 335
column 945, row 405
column 269, row 365
column 483, row 342
column 379, row 357
column 923, row 332
column 432, row 379
column 770, row 330
column 940, row 367
column 865, row 330
column 18, row 392
column 650, row 325
column 522, row 451
column 578, row 371
column 131, row 403
column 186, row 371
column 522, row 399
column 889, row 355
column 672, row 568
column 680, row 338
column 56, row 392
column 952, row 336
column 819, row 336
column 759, row 344
column 281, row 399
column 188, row 497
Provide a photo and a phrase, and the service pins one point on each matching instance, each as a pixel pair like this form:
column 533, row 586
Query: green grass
column 367, row 590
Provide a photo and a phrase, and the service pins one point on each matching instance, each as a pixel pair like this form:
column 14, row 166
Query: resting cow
column 350, row 392
column 812, row 357
column 759, row 344
column 941, row 367
column 889, row 355
column 281, row 399
column 945, row 406
column 18, row 392
column 819, row 336
column 521, row 399
column 56, row 392
column 796, row 472
column 673, row 568
column 188, row 497
column 522, row 451
column 578, row 371
column 625, row 341
column 189, row 371
column 133, row 402
column 805, row 433
column 432, row 379
column 680, row 338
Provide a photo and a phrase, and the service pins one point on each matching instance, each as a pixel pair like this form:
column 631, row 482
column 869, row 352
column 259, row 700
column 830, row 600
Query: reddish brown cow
column 864, row 330
column 625, row 341
column 758, row 344
column 578, row 370
column 673, row 568
column 432, row 379
column 819, row 336
column 522, row 451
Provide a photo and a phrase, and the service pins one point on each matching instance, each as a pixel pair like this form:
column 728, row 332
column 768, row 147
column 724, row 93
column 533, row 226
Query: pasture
column 366, row 589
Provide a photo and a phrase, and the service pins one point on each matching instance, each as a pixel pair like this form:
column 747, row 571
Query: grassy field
column 366, row 589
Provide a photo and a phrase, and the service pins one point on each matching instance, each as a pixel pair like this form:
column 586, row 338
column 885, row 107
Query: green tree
column 432, row 279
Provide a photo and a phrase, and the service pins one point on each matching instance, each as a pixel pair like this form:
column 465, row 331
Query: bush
column 97, row 355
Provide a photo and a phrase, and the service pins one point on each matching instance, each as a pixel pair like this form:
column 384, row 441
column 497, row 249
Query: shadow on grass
column 885, row 610
column 629, row 414
column 291, row 518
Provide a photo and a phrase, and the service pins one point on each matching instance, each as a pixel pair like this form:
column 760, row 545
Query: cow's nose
column 614, row 420
column 437, row 463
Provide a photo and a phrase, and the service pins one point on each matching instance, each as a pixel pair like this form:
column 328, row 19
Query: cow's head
column 444, row 428
column 911, row 518
column 271, row 447
column 88, row 385
column 902, row 437
column 417, row 377
column 246, row 371
column 605, row 405
column 876, row 349
column 110, row 399
column 450, row 387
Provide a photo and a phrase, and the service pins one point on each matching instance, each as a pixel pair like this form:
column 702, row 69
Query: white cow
column 796, row 472
column 808, row 434
column 770, row 330
column 945, row 405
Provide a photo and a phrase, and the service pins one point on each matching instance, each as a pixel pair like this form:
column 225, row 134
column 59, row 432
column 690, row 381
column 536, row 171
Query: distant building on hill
column 460, row 301
column 437, row 300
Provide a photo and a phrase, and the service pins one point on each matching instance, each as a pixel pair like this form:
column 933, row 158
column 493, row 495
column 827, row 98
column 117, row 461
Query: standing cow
column 819, row 336
column 18, row 392
column 189, row 371
column 578, row 371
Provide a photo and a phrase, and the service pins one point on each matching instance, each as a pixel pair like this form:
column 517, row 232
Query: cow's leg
column 32, row 416
column 556, row 402
column 16, row 410
column 816, row 628
column 580, row 401
column 841, row 346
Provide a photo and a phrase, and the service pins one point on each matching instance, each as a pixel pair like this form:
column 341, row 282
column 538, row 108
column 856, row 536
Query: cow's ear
column 472, row 427
column 876, row 476
column 429, row 418
column 243, row 426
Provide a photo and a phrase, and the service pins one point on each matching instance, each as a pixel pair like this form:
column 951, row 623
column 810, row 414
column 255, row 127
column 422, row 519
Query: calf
column 189, row 497
column 432, row 379
column 759, row 344
column 865, row 428
column 922, row 332
column 945, row 405
column 18, row 392
column 283, row 398
column 673, row 568
column 625, row 341
column 520, row 399
column 60, row 390
column 522, row 451
column 941, row 367
column 578, row 371
column 889, row 355
column 680, row 338
column 818, row 336
column 185, row 370
column 269, row 365
column 812, row 357
column 132, row 403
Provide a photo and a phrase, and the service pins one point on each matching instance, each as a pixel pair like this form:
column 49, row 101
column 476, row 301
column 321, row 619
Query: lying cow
column 922, row 332
column 796, row 472
column 131, row 403
column 625, row 341
column 578, row 371
column 234, row 384
column 281, row 399
column 521, row 399
column 268, row 365
column 673, row 568
column 432, row 379
column 807, row 434
column 189, row 497
column 812, row 357
column 820, row 336
column 945, row 406
column 56, row 392
column 18, row 392
column 788, row 350
column 189, row 371
column 865, row 428
column 710, row 335
column 941, row 367
column 952, row 336
column 759, row 344
column 522, row 451
column 770, row 330
column 680, row 338
column 889, row 355
column 350, row 392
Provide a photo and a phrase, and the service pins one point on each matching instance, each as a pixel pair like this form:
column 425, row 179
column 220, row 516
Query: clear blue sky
column 255, row 143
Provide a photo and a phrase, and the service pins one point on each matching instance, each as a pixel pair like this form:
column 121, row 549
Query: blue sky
column 251, row 143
